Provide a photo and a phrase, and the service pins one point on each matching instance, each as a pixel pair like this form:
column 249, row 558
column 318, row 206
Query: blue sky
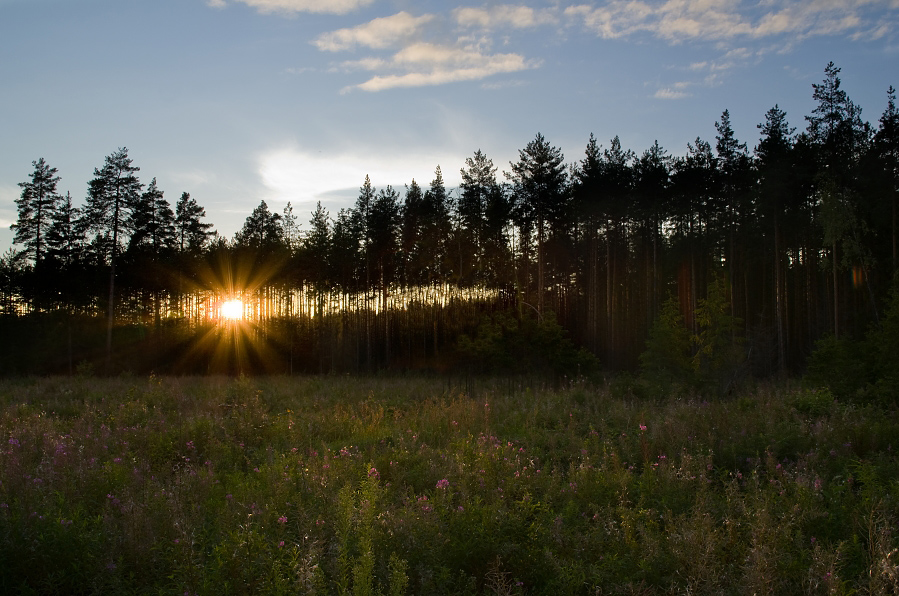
column 238, row 101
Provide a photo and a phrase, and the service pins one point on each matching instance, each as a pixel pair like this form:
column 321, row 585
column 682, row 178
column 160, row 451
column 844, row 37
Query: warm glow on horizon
column 232, row 309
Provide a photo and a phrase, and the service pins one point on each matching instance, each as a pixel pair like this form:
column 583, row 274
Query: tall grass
column 395, row 486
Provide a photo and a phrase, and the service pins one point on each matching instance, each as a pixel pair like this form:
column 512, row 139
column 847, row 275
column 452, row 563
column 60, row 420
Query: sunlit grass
column 330, row 485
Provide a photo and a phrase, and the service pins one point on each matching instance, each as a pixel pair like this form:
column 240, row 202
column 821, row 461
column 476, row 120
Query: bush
column 864, row 370
column 506, row 344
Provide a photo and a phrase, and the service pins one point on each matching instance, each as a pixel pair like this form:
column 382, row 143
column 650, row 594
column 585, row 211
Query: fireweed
column 351, row 486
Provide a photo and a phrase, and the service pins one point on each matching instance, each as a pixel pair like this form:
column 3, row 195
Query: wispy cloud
column 378, row 33
column 680, row 20
column 669, row 93
column 424, row 64
column 297, row 6
column 418, row 62
column 505, row 15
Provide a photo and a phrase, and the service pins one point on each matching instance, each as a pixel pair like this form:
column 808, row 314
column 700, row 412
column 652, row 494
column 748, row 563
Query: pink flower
column 373, row 473
column 642, row 427
column 282, row 519
column 443, row 483
column 281, row 544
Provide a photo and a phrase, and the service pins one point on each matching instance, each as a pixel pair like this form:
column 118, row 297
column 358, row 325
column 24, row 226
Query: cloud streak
column 424, row 64
column 296, row 6
column 379, row 33
column 419, row 63
column 518, row 17
column 682, row 20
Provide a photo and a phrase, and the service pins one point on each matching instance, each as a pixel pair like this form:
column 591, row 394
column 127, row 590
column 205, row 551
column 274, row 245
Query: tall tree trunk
column 779, row 299
column 836, row 295
column 540, row 257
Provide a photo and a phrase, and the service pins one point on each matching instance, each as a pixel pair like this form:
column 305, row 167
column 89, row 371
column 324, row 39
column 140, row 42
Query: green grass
column 397, row 486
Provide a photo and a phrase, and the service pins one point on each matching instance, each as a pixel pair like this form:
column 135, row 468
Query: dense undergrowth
column 398, row 486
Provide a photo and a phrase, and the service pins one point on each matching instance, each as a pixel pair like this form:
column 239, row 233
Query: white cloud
column 419, row 63
column 424, row 64
column 519, row 17
column 291, row 173
column 679, row 20
column 8, row 196
column 379, row 33
column 216, row 3
column 669, row 93
column 295, row 6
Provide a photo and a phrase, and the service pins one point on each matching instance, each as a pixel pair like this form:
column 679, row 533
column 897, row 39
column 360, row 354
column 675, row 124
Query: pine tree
column 774, row 187
column 411, row 237
column 540, row 184
column 317, row 246
column 112, row 194
column 290, row 231
column 65, row 238
column 886, row 142
column 152, row 222
column 436, row 228
column 36, row 207
column 262, row 229
column 191, row 233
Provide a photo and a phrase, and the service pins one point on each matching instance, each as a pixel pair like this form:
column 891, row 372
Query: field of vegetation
column 334, row 485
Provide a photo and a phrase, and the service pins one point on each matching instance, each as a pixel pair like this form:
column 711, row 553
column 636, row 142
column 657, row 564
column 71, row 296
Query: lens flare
column 232, row 309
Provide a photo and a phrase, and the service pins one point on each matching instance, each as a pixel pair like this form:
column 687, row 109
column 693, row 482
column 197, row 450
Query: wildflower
column 642, row 428
column 817, row 483
column 229, row 496
column 190, row 445
column 281, row 544
column 442, row 483
column 373, row 473
column 282, row 520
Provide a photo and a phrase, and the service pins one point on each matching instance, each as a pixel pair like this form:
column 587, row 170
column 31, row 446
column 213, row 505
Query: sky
column 240, row 101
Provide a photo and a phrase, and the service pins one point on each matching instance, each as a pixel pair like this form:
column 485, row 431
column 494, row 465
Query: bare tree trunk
column 779, row 299
column 836, row 295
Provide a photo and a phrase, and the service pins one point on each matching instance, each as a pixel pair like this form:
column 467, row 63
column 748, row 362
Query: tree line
column 798, row 236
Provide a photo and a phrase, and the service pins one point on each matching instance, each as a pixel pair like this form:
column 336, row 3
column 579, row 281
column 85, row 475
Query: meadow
column 339, row 485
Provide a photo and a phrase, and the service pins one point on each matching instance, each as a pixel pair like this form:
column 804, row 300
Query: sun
column 232, row 309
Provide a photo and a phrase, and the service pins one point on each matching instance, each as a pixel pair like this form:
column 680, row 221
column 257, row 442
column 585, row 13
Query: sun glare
column 232, row 309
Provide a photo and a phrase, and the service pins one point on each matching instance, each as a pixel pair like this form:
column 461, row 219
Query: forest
column 724, row 262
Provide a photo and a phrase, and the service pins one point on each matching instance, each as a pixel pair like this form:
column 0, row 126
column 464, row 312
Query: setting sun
column 232, row 309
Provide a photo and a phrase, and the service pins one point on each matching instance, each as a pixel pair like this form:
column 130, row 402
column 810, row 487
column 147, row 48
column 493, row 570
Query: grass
column 407, row 486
